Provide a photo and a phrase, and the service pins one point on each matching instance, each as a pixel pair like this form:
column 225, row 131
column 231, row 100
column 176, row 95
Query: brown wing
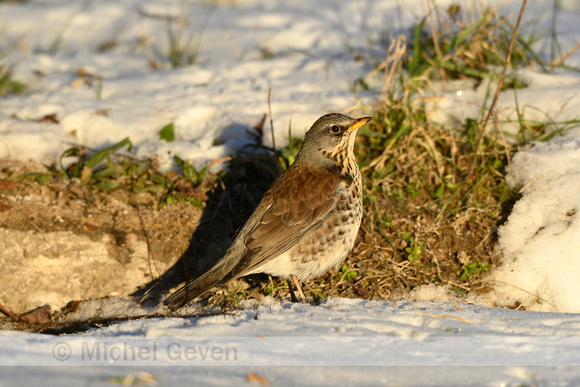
column 290, row 210
column 295, row 207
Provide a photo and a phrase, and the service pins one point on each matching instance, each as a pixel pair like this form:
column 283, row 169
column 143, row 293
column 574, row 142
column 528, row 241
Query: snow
column 305, row 52
column 543, row 228
column 340, row 341
column 309, row 75
column 558, row 104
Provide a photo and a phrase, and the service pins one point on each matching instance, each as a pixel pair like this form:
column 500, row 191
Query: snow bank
column 90, row 64
column 541, row 240
column 341, row 341
column 304, row 51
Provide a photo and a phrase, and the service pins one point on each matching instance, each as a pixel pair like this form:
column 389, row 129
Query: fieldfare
column 307, row 221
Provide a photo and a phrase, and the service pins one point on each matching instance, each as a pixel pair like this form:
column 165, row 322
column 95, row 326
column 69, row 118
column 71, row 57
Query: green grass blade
column 71, row 152
column 468, row 31
column 107, row 172
column 40, row 178
column 167, row 133
column 460, row 69
column 108, row 152
column 417, row 49
column 107, row 185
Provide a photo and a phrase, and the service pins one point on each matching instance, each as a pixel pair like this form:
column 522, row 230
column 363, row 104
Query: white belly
column 321, row 251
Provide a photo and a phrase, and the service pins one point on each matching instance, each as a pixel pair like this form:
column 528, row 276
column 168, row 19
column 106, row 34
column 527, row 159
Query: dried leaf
column 90, row 227
column 7, row 185
column 58, row 187
column 4, row 206
column 6, row 310
column 255, row 378
column 86, row 174
column 77, row 83
column 40, row 315
column 71, row 306
column 50, row 118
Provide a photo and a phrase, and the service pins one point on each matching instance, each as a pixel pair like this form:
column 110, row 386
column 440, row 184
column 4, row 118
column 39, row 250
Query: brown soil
column 61, row 242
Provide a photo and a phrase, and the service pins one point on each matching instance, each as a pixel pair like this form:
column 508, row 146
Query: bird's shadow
column 237, row 193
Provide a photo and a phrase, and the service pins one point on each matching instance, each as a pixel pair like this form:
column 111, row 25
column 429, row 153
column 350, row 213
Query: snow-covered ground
column 309, row 54
column 340, row 342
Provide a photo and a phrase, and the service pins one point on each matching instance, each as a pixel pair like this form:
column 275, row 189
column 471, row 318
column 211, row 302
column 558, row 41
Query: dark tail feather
column 218, row 275
column 186, row 293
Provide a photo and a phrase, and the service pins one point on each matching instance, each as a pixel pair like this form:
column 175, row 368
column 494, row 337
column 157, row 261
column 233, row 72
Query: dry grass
column 428, row 219
column 432, row 202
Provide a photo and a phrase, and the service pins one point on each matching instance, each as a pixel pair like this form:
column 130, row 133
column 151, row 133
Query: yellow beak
column 360, row 122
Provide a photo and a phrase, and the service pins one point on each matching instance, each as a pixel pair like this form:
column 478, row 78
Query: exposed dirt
column 60, row 242
column 63, row 241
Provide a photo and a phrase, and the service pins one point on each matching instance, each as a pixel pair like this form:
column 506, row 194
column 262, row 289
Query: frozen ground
column 340, row 342
column 309, row 54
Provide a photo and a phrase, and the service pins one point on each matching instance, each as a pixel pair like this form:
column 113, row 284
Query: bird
column 306, row 222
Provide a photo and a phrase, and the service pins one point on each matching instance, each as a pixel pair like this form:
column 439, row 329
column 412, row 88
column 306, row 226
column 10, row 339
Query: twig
column 500, row 83
column 148, row 292
column 505, row 144
column 527, row 185
column 148, row 242
column 219, row 205
column 220, row 160
column 89, row 288
column 559, row 60
column 6, row 310
column 525, row 291
column 41, row 328
column 441, row 316
column 271, row 122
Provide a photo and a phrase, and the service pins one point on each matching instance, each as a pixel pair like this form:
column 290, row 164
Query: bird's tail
column 218, row 275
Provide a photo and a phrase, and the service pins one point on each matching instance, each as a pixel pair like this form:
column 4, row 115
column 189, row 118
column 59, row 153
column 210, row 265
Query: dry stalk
column 565, row 55
column 500, row 82
column 395, row 55
column 435, row 35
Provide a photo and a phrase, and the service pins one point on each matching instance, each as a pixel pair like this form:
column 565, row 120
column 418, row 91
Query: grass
column 432, row 201
column 467, row 45
column 110, row 171
column 7, row 84
column 431, row 209
column 183, row 39
column 434, row 195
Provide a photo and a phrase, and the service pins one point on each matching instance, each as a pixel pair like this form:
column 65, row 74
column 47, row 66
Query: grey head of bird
column 330, row 140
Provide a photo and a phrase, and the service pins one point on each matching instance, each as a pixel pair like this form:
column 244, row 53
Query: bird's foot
column 292, row 295
column 300, row 290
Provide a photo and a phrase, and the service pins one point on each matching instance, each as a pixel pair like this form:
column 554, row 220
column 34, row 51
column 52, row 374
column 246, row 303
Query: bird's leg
column 299, row 288
column 292, row 295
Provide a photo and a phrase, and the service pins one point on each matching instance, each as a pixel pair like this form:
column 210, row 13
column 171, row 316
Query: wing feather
column 298, row 207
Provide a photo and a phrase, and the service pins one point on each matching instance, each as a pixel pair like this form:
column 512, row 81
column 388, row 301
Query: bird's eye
column 335, row 129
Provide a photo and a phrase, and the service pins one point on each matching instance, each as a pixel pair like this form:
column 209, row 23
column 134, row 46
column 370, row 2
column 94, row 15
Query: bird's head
column 330, row 138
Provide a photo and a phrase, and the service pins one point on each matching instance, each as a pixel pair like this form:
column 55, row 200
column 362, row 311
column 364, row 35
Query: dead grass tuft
column 432, row 207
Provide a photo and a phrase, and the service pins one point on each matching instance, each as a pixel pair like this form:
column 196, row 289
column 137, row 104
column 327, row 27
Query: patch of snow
column 306, row 53
column 339, row 341
column 540, row 240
